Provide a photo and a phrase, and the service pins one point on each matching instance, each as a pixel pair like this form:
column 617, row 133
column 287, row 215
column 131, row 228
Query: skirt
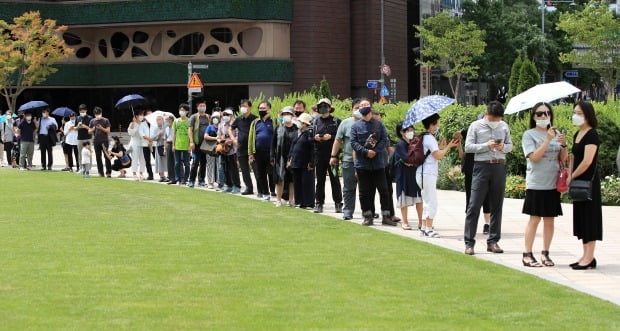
column 544, row 203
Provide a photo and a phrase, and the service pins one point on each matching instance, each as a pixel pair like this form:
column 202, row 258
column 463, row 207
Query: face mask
column 160, row 123
column 323, row 109
column 299, row 125
column 226, row 119
column 436, row 132
column 542, row 123
column 262, row 113
column 140, row 118
column 45, row 115
column 28, row 118
column 216, row 121
column 83, row 114
column 182, row 113
column 578, row 120
column 112, row 143
column 493, row 125
column 357, row 114
column 297, row 114
column 202, row 109
column 166, row 125
column 243, row 110
column 315, row 116
column 98, row 116
column 280, row 120
column 287, row 118
column 409, row 135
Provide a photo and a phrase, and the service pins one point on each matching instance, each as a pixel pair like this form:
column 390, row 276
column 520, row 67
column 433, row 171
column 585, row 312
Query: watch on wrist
column 563, row 146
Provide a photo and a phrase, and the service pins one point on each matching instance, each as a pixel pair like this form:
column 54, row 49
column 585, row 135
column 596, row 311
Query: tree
column 528, row 76
column 451, row 44
column 595, row 34
column 324, row 89
column 515, row 71
column 28, row 49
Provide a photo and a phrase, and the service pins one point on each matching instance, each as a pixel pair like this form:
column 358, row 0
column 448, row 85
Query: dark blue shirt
column 360, row 131
column 27, row 130
column 300, row 154
column 264, row 134
column 242, row 125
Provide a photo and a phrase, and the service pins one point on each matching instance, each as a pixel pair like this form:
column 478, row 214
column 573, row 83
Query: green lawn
column 108, row 254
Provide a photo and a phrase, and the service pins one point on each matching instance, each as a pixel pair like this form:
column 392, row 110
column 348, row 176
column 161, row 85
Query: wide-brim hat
column 305, row 118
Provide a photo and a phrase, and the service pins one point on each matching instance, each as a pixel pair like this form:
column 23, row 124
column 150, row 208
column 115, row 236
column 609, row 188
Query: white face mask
column 45, row 115
column 83, row 114
column 202, row 109
column 298, row 124
column 409, row 135
column 140, row 118
column 243, row 110
column 357, row 114
column 28, row 118
column 542, row 123
column 578, row 120
column 493, row 125
column 287, row 118
column 216, row 120
column 98, row 116
column 182, row 113
column 226, row 118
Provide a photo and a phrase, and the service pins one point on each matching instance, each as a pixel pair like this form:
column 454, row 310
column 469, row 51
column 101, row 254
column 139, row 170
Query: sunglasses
column 541, row 113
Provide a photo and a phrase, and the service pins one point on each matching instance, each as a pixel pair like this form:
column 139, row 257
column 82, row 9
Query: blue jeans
column 181, row 171
column 349, row 187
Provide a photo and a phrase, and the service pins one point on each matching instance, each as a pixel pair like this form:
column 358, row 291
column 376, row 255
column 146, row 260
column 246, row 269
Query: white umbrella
column 540, row 93
column 152, row 118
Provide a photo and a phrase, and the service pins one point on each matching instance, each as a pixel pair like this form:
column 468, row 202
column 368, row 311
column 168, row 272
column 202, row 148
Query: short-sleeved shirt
column 430, row 165
column 83, row 133
column 181, row 134
column 211, row 131
column 541, row 175
column 99, row 136
column 579, row 150
column 242, row 125
column 344, row 135
column 202, row 126
column 27, row 130
column 264, row 134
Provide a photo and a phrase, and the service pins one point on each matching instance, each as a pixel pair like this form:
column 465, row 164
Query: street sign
column 571, row 74
column 194, row 82
column 386, row 70
column 372, row 84
column 384, row 91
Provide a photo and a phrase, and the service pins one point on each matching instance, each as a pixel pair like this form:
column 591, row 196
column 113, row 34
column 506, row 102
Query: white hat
column 305, row 118
column 216, row 114
column 287, row 109
column 324, row 100
column 228, row 111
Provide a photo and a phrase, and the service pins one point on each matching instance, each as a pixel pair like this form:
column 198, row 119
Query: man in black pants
column 242, row 125
column 325, row 128
column 47, row 139
column 99, row 127
column 198, row 123
column 260, row 149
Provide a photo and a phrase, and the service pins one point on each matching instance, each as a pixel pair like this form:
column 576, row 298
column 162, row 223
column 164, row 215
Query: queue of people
column 292, row 155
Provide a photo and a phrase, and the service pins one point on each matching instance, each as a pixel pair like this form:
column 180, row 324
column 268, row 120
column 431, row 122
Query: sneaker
column 338, row 207
column 318, row 209
column 278, row 204
column 266, row 198
column 347, row 217
column 235, row 190
column 247, row 192
column 190, row 184
column 211, row 187
column 485, row 229
column 260, row 196
column 201, row 184
column 22, row 169
column 432, row 234
column 228, row 189
column 273, row 194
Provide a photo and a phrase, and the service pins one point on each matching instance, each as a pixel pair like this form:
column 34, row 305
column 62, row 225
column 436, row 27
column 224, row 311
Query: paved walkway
column 603, row 282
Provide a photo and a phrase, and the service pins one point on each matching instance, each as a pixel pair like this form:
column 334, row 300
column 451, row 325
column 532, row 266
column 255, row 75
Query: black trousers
column 8, row 146
column 263, row 172
column 170, row 160
column 45, row 144
column 199, row 166
column 367, row 182
column 323, row 167
column 99, row 146
column 244, row 164
column 70, row 151
column 485, row 205
column 303, row 181
column 231, row 171
column 147, row 159
column 488, row 180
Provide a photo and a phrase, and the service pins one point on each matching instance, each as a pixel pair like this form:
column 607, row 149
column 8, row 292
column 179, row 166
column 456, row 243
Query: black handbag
column 581, row 190
column 160, row 150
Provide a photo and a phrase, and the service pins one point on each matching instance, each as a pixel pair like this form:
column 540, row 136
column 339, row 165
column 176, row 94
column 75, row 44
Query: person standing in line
column 86, row 158
column 343, row 140
column 81, row 123
column 146, row 144
column 168, row 137
column 70, row 144
column 286, row 134
column 389, row 178
column 241, row 125
column 300, row 107
column 489, row 138
column 212, row 158
column 135, row 147
column 99, row 127
column 260, row 151
column 180, row 145
column 198, row 123
column 369, row 140
column 544, row 150
column 325, row 128
column 47, row 139
column 227, row 138
column 159, row 143
column 587, row 215
column 7, row 135
column 25, row 134
column 426, row 174
column 408, row 193
column 300, row 160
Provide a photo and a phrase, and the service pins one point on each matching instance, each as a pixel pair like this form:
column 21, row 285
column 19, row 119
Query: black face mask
column 262, row 113
column 323, row 109
column 297, row 114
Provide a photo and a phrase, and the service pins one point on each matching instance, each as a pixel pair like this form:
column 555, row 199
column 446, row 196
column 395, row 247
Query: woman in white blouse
column 69, row 145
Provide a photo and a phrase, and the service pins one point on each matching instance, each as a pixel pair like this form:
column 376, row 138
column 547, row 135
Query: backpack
column 415, row 152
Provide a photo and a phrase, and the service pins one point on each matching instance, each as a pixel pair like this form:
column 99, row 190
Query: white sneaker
column 432, row 234
column 266, row 198
column 22, row 169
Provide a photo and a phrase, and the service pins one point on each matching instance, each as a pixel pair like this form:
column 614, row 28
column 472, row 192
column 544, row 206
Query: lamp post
column 543, row 8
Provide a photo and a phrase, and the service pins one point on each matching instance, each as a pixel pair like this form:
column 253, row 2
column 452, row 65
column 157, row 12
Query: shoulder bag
column 581, row 190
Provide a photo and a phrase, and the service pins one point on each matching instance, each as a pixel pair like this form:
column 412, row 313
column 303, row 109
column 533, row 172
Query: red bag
column 562, row 177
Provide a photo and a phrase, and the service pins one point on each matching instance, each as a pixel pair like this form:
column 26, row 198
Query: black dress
column 588, row 215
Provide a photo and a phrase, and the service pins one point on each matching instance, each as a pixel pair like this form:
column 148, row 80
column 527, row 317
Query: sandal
column 529, row 260
column 406, row 226
column 546, row 261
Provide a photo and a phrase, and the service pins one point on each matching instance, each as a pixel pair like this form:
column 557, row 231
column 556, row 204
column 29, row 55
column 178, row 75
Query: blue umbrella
column 426, row 107
column 32, row 105
column 129, row 101
column 3, row 118
column 63, row 112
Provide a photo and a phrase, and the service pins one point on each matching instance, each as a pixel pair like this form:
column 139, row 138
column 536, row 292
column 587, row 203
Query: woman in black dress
column 587, row 215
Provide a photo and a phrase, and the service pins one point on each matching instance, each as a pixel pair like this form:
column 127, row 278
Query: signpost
column 197, row 84
column 571, row 74
column 372, row 84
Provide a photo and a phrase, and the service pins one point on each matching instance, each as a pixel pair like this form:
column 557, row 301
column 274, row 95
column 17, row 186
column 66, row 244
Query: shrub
column 514, row 76
column 515, row 187
column 528, row 76
column 610, row 190
column 443, row 181
column 457, row 178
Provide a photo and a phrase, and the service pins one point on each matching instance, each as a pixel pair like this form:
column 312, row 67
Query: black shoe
column 318, row 209
column 347, row 218
column 273, row 194
column 247, row 192
column 43, row 169
column 172, row 182
column 591, row 265
column 368, row 219
column 387, row 220
column 149, row 178
column 375, row 215
column 469, row 250
column 485, row 229
column 338, row 207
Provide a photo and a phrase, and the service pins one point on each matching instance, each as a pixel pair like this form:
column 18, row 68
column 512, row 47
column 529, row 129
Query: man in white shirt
column 47, row 139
